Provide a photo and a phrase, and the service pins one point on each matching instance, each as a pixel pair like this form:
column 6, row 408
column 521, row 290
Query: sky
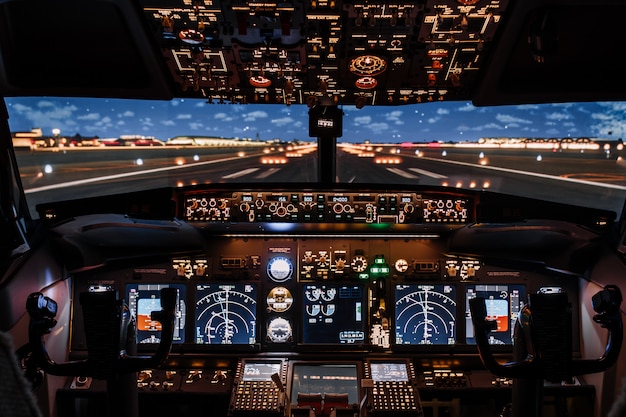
column 438, row 121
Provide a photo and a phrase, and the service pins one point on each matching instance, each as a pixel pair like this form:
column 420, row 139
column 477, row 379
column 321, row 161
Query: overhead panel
column 325, row 51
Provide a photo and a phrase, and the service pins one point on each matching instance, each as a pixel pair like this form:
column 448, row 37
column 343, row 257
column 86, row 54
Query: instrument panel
column 300, row 293
column 324, row 299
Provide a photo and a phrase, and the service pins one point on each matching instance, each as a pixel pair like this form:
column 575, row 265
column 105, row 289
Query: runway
column 594, row 179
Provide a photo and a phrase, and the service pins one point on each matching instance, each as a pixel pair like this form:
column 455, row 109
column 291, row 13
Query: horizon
column 415, row 123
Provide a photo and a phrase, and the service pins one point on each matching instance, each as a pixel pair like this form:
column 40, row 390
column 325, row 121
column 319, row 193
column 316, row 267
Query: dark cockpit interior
column 187, row 262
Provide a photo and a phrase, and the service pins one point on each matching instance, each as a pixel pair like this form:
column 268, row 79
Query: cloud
column 467, row 107
column 362, row 120
column 527, row 107
column 378, row 127
column 184, row 116
column 617, row 106
column 395, row 117
column 168, row 123
column 283, row 121
column 20, row 108
column 104, row 121
column 89, row 117
column 558, row 116
column 127, row 113
column 253, row 116
column 507, row 118
column 441, row 111
column 223, row 117
column 146, row 122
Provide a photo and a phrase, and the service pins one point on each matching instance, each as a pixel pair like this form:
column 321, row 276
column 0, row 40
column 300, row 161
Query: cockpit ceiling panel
column 361, row 52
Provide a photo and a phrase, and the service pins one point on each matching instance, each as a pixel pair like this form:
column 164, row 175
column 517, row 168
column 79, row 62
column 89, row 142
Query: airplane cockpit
column 319, row 208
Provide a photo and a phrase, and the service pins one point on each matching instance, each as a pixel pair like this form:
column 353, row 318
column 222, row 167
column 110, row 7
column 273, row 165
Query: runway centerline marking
column 240, row 173
column 428, row 173
column 267, row 173
column 402, row 173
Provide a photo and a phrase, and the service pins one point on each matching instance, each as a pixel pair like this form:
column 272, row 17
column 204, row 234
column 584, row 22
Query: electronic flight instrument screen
column 260, row 371
column 503, row 303
column 329, row 380
column 143, row 299
column 389, row 371
column 333, row 314
column 226, row 314
column 425, row 314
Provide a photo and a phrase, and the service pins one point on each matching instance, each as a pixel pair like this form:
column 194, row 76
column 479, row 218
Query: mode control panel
column 325, row 207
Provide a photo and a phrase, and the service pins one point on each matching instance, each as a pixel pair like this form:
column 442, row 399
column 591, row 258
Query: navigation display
column 226, row 314
column 143, row 299
column 389, row 371
column 425, row 314
column 333, row 314
column 503, row 303
column 260, row 371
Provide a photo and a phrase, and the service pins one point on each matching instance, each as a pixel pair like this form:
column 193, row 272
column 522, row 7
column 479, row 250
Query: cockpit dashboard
column 353, row 285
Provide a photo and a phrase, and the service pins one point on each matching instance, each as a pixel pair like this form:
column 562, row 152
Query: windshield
column 74, row 148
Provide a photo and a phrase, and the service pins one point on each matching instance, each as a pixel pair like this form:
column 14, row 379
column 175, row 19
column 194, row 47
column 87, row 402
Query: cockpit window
column 75, row 147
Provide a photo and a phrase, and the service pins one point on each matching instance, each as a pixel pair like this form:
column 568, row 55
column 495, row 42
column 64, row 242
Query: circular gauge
column 279, row 269
column 260, row 81
column 313, row 294
column 366, row 83
column 190, row 36
column 367, row 65
column 151, row 339
column 279, row 330
column 401, row 265
column 495, row 341
column 329, row 294
column 359, row 263
column 279, row 299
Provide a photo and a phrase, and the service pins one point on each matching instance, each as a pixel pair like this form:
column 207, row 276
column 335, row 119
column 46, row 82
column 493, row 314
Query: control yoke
column 543, row 339
column 109, row 335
